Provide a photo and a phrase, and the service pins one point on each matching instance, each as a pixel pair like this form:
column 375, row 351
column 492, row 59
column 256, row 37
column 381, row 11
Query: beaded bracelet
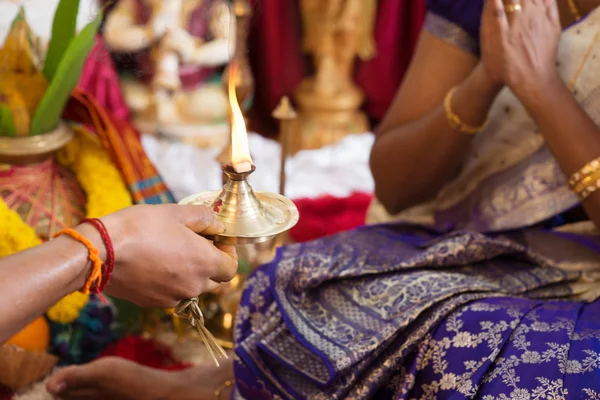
column 455, row 121
column 93, row 255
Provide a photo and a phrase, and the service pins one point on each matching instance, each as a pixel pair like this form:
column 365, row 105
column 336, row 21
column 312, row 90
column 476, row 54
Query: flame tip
column 240, row 153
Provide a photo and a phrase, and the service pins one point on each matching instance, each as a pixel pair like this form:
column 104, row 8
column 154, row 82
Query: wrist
column 474, row 97
column 116, row 234
column 530, row 92
column 96, row 234
column 78, row 254
column 483, row 84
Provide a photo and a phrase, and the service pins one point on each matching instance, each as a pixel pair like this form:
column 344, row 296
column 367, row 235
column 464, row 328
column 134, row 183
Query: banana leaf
column 65, row 79
column 7, row 125
column 64, row 28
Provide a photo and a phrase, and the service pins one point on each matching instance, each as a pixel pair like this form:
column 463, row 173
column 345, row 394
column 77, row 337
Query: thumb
column 71, row 378
column 199, row 219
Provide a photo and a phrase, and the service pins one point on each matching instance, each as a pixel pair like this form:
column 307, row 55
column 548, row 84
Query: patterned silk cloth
column 498, row 301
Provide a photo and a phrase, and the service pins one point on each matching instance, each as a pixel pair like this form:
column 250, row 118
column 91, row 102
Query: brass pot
column 24, row 150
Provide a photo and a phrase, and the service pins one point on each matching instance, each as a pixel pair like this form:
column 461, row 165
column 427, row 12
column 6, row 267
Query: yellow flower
column 67, row 310
column 15, row 234
column 98, row 176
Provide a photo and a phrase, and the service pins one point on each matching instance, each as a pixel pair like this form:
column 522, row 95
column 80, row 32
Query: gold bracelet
column 588, row 180
column 588, row 185
column 589, row 190
column 588, row 170
column 455, row 121
column 224, row 386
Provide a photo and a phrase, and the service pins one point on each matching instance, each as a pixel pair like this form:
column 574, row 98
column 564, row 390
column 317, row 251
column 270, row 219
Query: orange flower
column 34, row 337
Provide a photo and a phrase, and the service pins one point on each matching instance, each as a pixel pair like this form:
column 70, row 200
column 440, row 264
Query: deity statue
column 335, row 33
column 179, row 46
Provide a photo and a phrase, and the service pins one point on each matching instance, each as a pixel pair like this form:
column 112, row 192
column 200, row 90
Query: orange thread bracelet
column 95, row 276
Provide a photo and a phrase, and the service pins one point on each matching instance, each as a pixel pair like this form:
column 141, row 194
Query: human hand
column 180, row 42
column 120, row 379
column 160, row 257
column 519, row 48
column 159, row 26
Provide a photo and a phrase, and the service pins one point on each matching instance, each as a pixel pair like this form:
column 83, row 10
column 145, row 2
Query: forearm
column 36, row 279
column 212, row 54
column 571, row 135
column 128, row 39
column 411, row 163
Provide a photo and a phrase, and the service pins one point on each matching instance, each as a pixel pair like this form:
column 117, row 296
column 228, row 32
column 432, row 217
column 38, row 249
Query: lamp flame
column 240, row 152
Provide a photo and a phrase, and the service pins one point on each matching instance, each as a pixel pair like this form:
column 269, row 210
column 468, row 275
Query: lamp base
column 248, row 217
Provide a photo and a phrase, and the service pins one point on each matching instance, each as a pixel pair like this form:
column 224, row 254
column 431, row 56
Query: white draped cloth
column 337, row 170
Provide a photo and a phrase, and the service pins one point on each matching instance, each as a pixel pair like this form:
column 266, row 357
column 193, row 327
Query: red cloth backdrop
column 278, row 65
column 100, row 79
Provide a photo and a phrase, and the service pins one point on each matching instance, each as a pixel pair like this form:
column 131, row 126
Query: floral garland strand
column 106, row 193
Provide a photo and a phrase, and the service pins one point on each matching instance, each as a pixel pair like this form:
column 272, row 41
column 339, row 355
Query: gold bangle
column 588, row 180
column 455, row 121
column 224, row 386
column 587, row 185
column 589, row 190
column 589, row 169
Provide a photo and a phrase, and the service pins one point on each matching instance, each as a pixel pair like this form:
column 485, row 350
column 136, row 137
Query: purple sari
column 498, row 301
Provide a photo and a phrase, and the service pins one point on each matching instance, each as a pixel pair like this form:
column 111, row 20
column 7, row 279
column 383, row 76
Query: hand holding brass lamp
column 248, row 217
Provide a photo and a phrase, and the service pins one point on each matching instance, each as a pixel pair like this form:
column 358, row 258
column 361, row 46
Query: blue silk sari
column 488, row 292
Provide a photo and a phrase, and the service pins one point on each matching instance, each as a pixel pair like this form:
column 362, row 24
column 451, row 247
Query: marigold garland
column 106, row 193
column 100, row 179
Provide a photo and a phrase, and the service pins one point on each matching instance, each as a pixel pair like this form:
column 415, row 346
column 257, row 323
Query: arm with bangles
column 572, row 136
column 417, row 151
column 159, row 259
column 520, row 50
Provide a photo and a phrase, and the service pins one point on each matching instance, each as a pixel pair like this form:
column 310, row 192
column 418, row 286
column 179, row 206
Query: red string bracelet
column 109, row 265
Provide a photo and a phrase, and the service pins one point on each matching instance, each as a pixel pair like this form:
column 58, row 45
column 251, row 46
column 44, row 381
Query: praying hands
column 519, row 43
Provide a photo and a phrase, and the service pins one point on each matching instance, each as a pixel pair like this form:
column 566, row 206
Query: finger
column 199, row 219
column 211, row 286
column 512, row 10
column 74, row 378
column 494, row 12
column 83, row 394
column 226, row 263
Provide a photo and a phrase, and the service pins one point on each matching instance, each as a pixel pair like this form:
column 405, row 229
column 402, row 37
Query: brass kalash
column 249, row 218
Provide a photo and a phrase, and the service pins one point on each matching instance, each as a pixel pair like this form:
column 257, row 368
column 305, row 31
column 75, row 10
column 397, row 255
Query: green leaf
column 64, row 28
column 7, row 124
column 67, row 75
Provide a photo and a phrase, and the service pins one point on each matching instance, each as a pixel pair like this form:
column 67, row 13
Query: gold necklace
column 574, row 10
